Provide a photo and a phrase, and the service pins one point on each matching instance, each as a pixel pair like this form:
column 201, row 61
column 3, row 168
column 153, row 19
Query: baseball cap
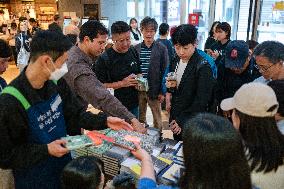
column 254, row 99
column 236, row 54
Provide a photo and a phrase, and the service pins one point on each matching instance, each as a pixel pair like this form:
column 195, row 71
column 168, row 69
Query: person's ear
column 236, row 120
column 46, row 62
column 86, row 39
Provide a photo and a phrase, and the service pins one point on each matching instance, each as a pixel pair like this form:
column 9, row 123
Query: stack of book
column 113, row 158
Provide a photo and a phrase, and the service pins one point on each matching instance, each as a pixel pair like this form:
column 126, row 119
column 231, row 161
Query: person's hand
column 57, row 149
column 161, row 98
column 171, row 83
column 168, row 102
column 137, row 126
column 116, row 123
column 215, row 54
column 129, row 81
column 175, row 127
column 140, row 153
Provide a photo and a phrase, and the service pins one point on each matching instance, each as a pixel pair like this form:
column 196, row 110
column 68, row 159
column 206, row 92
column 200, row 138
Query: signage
column 193, row 19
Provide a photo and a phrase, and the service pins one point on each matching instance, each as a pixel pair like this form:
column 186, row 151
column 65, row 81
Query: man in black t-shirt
column 118, row 67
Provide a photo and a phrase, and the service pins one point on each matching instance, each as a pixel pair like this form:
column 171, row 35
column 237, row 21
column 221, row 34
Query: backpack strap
column 18, row 95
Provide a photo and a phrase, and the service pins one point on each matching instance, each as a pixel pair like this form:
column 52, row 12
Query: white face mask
column 58, row 73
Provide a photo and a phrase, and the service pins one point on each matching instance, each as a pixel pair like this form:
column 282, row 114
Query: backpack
column 213, row 104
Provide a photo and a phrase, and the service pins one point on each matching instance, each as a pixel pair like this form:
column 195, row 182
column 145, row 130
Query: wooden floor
column 12, row 72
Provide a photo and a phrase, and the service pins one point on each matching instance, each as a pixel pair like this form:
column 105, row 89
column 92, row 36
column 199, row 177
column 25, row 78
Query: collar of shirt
column 77, row 55
column 144, row 46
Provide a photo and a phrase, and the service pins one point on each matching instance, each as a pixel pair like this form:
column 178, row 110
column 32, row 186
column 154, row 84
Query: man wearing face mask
column 36, row 110
column 84, row 82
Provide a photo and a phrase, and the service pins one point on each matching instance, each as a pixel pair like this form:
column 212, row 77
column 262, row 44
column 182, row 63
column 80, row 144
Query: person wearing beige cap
column 254, row 106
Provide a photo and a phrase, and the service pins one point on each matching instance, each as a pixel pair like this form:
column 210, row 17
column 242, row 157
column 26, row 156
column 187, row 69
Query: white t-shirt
column 180, row 71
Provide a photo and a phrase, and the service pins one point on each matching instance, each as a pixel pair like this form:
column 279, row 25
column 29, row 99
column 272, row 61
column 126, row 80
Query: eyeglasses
column 264, row 69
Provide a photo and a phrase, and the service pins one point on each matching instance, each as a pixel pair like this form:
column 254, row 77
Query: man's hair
column 163, row 29
column 213, row 154
column 278, row 88
column 184, row 34
column 83, row 172
column 56, row 17
column 264, row 142
column 273, row 50
column 14, row 25
column 252, row 44
column 119, row 27
column 91, row 29
column 149, row 22
column 225, row 26
column 22, row 18
column 5, row 49
column 172, row 30
column 54, row 27
column 51, row 43
column 1, row 11
column 32, row 20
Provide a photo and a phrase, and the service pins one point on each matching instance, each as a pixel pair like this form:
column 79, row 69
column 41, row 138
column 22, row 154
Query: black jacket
column 195, row 89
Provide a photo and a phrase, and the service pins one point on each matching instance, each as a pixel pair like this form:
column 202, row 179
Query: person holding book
column 37, row 109
column 213, row 155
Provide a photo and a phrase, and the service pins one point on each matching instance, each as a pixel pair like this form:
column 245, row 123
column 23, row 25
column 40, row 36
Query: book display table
column 166, row 154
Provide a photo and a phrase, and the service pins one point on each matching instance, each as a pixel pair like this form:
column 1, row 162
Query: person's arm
column 165, row 63
column 18, row 43
column 75, row 113
column 93, row 92
column 147, row 168
column 147, row 179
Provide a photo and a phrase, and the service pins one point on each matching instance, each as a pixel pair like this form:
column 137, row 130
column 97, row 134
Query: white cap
column 254, row 99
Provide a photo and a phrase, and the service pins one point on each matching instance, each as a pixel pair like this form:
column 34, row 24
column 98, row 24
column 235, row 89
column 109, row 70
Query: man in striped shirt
column 154, row 60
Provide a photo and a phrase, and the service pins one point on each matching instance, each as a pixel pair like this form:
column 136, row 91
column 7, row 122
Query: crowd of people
column 224, row 103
